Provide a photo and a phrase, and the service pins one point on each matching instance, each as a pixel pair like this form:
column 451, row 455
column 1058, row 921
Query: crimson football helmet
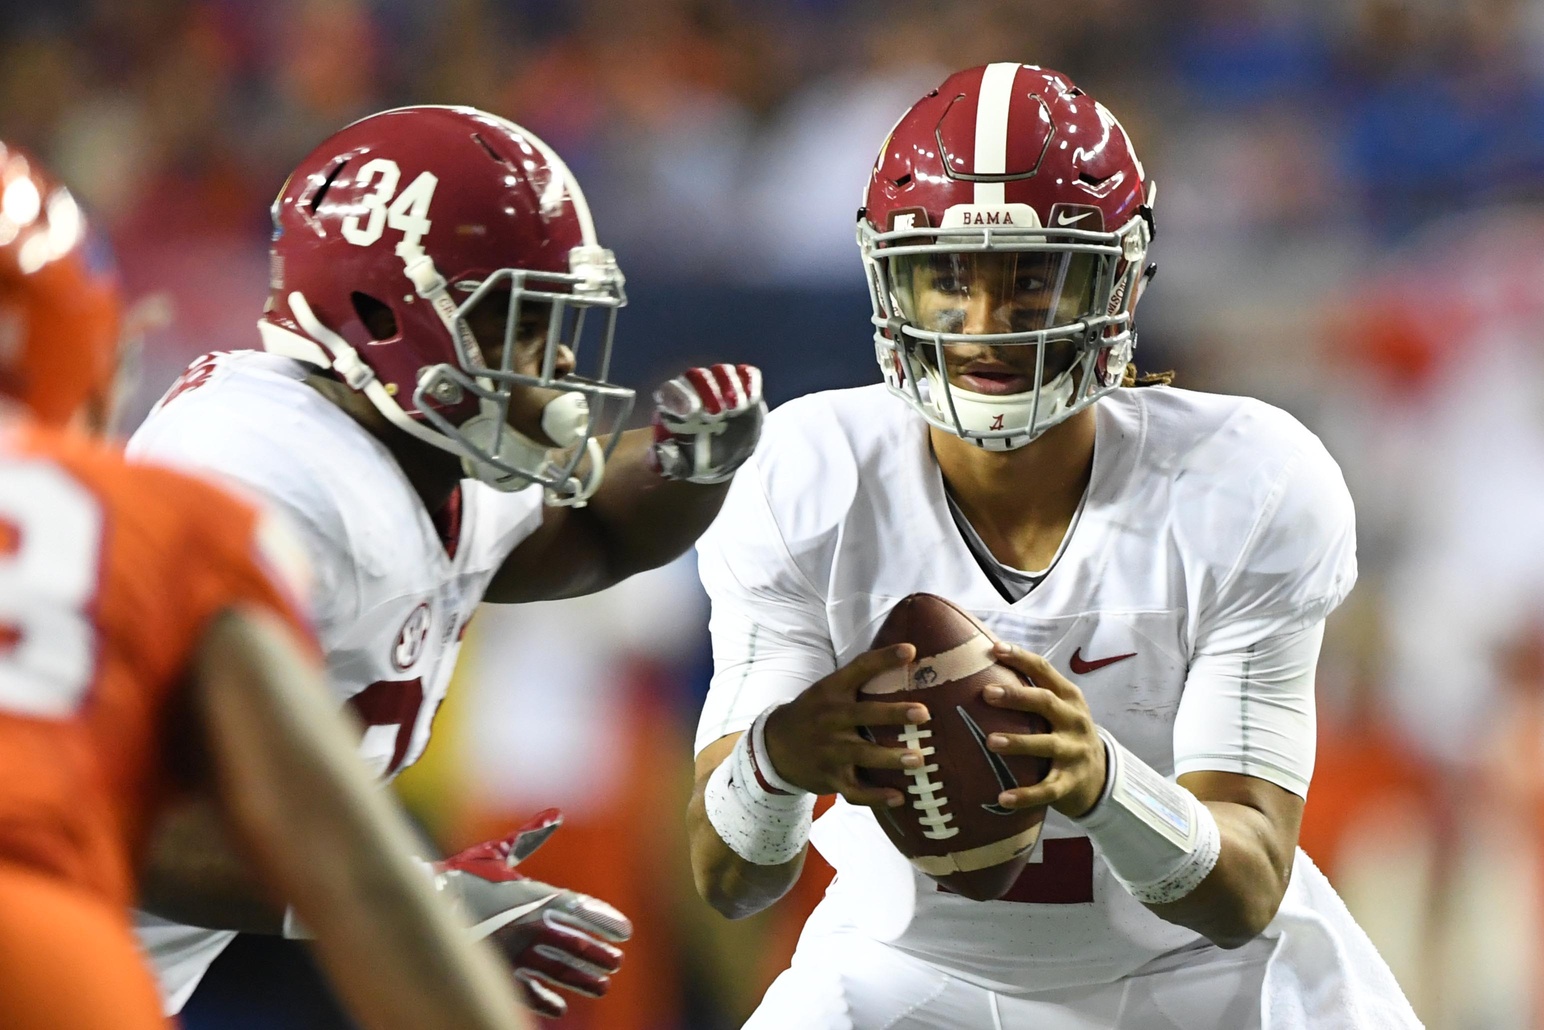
column 386, row 240
column 61, row 308
column 1006, row 210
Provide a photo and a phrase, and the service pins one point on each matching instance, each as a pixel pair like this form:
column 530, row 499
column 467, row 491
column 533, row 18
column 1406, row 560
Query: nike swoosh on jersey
column 1081, row 667
column 1062, row 219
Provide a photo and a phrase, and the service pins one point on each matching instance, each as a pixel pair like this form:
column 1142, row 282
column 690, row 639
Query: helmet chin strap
column 564, row 419
column 978, row 411
column 332, row 351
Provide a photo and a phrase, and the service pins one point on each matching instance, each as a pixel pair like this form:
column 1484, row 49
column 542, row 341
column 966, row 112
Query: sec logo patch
column 410, row 642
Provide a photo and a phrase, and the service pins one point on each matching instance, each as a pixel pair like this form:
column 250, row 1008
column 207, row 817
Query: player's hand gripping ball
column 551, row 937
column 952, row 826
column 707, row 422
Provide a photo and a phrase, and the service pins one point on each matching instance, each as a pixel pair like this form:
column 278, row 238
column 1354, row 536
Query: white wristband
column 761, row 816
column 1156, row 836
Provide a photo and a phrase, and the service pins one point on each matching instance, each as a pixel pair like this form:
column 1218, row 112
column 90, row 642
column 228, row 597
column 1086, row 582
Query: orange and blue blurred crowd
column 1350, row 224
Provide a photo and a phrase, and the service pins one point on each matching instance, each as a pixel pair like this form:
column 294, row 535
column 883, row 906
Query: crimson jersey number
column 389, row 710
column 1063, row 876
column 195, row 375
column 50, row 560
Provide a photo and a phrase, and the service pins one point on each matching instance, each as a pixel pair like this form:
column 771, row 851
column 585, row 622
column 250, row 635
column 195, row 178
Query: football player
column 1159, row 563
column 152, row 637
column 431, row 407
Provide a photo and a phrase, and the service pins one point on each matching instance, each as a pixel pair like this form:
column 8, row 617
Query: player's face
column 979, row 294
column 487, row 321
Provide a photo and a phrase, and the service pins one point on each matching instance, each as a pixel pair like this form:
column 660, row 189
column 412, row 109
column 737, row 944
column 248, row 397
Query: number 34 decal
column 407, row 211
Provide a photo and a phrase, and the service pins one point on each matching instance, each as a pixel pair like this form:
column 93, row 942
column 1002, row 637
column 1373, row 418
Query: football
column 951, row 826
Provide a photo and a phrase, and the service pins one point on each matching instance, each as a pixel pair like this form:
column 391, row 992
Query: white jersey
column 1210, row 525
column 394, row 592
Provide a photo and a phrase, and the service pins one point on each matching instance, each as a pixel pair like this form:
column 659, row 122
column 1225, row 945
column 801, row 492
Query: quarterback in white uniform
column 432, row 413
column 1157, row 562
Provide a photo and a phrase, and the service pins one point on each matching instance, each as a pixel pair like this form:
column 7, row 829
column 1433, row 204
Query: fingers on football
column 855, row 793
column 538, row 997
column 878, row 756
column 883, row 713
column 870, row 664
column 1022, row 698
column 1057, row 747
column 1046, row 792
column 1041, row 672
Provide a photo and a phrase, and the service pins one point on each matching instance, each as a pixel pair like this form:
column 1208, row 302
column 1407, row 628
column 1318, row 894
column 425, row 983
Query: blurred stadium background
column 1351, row 225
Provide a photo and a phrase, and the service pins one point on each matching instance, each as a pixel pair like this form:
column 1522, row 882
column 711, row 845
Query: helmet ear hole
column 376, row 317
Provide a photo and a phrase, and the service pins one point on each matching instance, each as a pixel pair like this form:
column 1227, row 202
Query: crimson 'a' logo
column 997, row 421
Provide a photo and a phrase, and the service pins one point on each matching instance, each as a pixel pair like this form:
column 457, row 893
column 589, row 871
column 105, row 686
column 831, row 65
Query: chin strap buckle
column 354, row 371
column 345, row 359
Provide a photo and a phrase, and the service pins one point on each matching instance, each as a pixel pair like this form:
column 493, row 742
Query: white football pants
column 848, row 982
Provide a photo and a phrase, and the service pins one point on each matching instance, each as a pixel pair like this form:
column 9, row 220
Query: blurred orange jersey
column 109, row 574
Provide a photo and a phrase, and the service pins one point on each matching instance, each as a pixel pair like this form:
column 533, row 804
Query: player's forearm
column 329, row 839
column 1257, row 820
column 769, row 834
column 1212, row 851
column 195, row 875
column 734, row 887
column 391, row 946
column 1241, row 894
column 645, row 520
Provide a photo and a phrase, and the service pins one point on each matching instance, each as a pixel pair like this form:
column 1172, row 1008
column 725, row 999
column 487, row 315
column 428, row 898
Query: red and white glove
column 707, row 422
column 551, row 937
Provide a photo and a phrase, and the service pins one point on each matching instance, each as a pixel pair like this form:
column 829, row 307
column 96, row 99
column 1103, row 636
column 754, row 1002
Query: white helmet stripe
column 992, row 130
column 1104, row 112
